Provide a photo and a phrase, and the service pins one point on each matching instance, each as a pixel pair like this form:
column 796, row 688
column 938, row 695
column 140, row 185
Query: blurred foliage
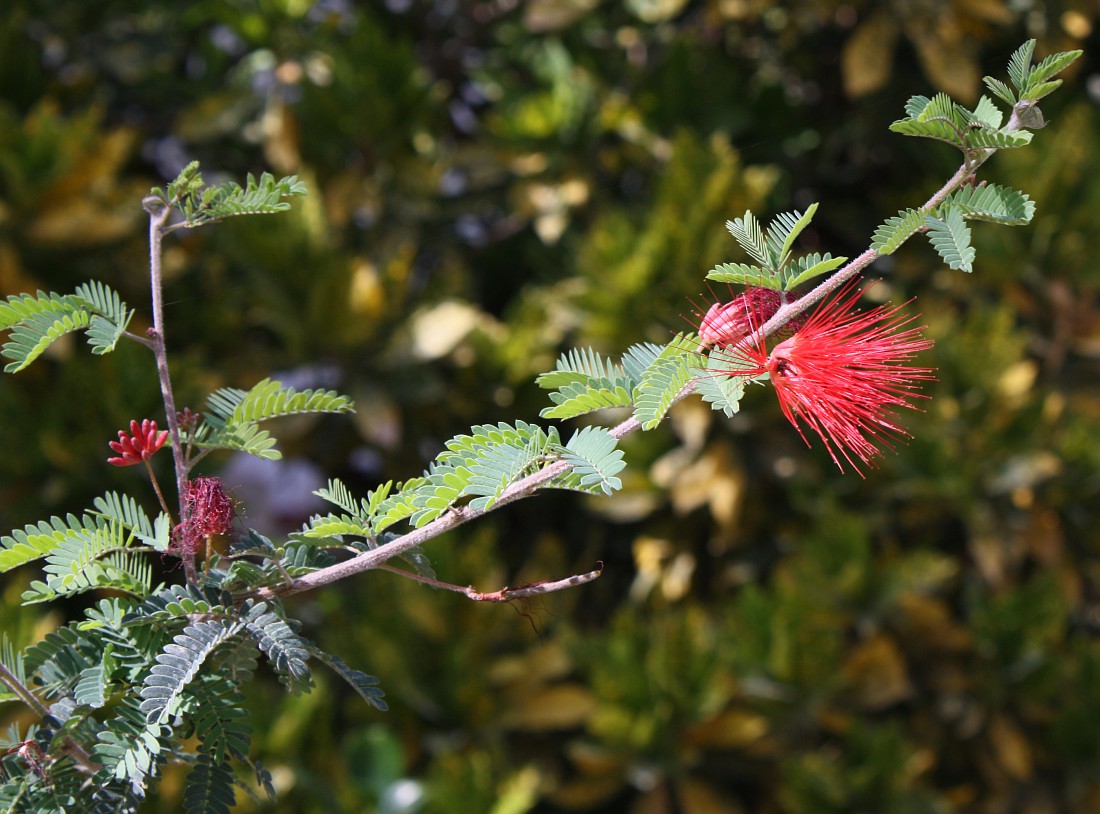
column 492, row 181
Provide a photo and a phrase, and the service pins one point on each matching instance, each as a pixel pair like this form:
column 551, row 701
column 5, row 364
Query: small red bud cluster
column 139, row 445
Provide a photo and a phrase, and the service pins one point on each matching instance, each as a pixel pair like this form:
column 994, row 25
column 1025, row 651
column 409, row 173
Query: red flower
column 842, row 374
column 727, row 323
column 209, row 511
column 140, row 445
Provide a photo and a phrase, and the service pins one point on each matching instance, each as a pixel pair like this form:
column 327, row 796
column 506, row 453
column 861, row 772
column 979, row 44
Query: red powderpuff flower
column 727, row 323
column 842, row 373
column 140, row 445
column 209, row 511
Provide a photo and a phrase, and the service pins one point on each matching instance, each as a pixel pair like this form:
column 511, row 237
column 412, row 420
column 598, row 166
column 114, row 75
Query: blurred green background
column 493, row 182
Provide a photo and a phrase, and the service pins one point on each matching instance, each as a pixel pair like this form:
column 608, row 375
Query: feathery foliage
column 666, row 378
column 37, row 321
column 233, row 416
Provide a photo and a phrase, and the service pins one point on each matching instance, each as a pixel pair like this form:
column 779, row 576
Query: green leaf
column 743, row 274
column 496, row 468
column 639, row 357
column 398, row 506
column 595, row 460
column 210, row 787
column 720, row 390
column 130, row 749
column 269, row 399
column 34, row 541
column 951, row 238
column 585, row 382
column 359, row 515
column 998, row 139
column 915, row 105
column 1019, row 63
column 233, row 415
column 1000, row 90
column 187, row 183
column 986, row 114
column 936, row 129
column 12, row 660
column 217, row 709
column 896, row 230
column 365, row 685
column 579, row 399
column 111, row 317
column 19, row 307
column 938, row 118
column 178, row 666
column 1037, row 86
column 286, row 650
column 90, row 689
column 784, row 230
column 808, row 267
column 263, row 197
column 578, row 366
column 125, row 511
column 665, row 379
column 993, row 203
column 237, row 437
column 30, row 337
column 747, row 232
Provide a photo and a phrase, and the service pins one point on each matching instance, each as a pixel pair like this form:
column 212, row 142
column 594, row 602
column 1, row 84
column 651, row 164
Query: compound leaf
column 178, row 665
column 595, row 460
column 950, row 236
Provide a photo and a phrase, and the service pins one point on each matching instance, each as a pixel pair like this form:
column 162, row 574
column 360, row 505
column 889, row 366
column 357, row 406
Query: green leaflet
column 721, row 392
column 365, row 685
column 233, row 416
column 770, row 247
column 950, row 236
column 201, row 205
column 178, row 664
column 210, row 787
column 584, row 382
column 807, row 267
column 476, row 467
column 216, row 706
column 744, row 274
column 574, row 400
column 37, row 321
column 896, row 230
column 595, row 460
column 30, row 337
column 287, row 652
column 664, row 379
column 993, row 203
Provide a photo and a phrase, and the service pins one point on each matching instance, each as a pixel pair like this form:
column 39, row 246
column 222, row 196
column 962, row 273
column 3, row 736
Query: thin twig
column 505, row 594
column 71, row 747
column 156, row 486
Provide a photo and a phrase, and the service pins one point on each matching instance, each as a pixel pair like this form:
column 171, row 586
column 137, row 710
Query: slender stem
column 156, row 487
column 71, row 747
column 158, row 216
column 505, row 594
column 12, row 682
